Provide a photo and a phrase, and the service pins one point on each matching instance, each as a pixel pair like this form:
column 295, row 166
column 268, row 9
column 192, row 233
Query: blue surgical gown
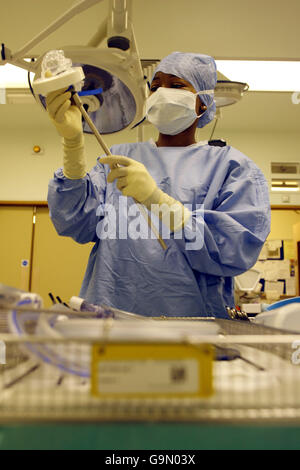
column 228, row 196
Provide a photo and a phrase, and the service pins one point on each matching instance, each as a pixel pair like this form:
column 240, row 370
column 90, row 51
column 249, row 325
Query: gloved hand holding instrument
column 65, row 109
column 135, row 181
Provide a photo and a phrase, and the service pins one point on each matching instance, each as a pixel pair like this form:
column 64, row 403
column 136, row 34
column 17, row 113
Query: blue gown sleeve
column 73, row 204
column 226, row 241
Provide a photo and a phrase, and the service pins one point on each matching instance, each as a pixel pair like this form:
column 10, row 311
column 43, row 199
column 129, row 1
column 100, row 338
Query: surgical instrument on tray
column 229, row 354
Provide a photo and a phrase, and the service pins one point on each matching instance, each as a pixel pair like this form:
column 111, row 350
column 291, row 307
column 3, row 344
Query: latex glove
column 132, row 177
column 173, row 214
column 134, row 180
column 67, row 119
column 74, row 158
column 65, row 116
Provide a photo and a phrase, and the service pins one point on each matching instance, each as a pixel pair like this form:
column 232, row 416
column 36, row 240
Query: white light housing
column 120, row 76
column 248, row 281
column 228, row 92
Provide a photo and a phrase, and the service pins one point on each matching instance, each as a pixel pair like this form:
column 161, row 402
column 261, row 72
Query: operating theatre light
column 111, row 64
column 120, row 104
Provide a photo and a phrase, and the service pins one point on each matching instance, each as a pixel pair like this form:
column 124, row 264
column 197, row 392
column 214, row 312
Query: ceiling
column 232, row 29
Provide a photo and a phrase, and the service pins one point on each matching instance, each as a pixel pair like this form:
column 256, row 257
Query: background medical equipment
column 248, row 281
column 284, row 314
column 237, row 314
column 247, row 288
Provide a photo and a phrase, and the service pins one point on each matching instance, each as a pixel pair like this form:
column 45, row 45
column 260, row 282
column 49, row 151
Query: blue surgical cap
column 198, row 69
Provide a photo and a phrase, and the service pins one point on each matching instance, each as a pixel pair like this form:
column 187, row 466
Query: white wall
column 25, row 176
column 264, row 148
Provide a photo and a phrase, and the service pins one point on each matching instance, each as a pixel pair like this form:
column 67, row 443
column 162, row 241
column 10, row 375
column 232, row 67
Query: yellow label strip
column 121, row 370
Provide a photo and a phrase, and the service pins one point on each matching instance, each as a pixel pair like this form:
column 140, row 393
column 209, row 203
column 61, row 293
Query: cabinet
column 55, row 264
column 15, row 245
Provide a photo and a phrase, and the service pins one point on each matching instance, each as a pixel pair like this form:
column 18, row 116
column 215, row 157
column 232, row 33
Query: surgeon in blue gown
column 217, row 198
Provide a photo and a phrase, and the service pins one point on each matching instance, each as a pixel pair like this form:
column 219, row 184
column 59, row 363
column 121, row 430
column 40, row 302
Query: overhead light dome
column 228, row 92
column 121, row 102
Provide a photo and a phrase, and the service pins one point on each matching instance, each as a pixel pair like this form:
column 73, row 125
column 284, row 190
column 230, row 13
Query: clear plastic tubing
column 80, row 305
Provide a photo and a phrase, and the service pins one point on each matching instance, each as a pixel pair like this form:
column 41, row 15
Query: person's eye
column 178, row 85
column 154, row 88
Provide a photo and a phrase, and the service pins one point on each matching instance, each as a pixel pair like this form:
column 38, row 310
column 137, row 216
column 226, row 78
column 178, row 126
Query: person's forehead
column 159, row 75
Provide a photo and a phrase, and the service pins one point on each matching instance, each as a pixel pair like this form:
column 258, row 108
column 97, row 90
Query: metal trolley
column 255, row 377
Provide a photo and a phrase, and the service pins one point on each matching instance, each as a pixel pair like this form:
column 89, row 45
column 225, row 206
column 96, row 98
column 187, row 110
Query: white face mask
column 173, row 110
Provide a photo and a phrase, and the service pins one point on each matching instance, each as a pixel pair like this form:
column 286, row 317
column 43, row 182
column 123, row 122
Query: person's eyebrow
column 179, row 78
column 172, row 77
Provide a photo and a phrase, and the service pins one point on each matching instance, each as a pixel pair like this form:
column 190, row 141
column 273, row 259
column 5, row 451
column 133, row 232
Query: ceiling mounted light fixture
column 228, row 92
column 115, row 68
